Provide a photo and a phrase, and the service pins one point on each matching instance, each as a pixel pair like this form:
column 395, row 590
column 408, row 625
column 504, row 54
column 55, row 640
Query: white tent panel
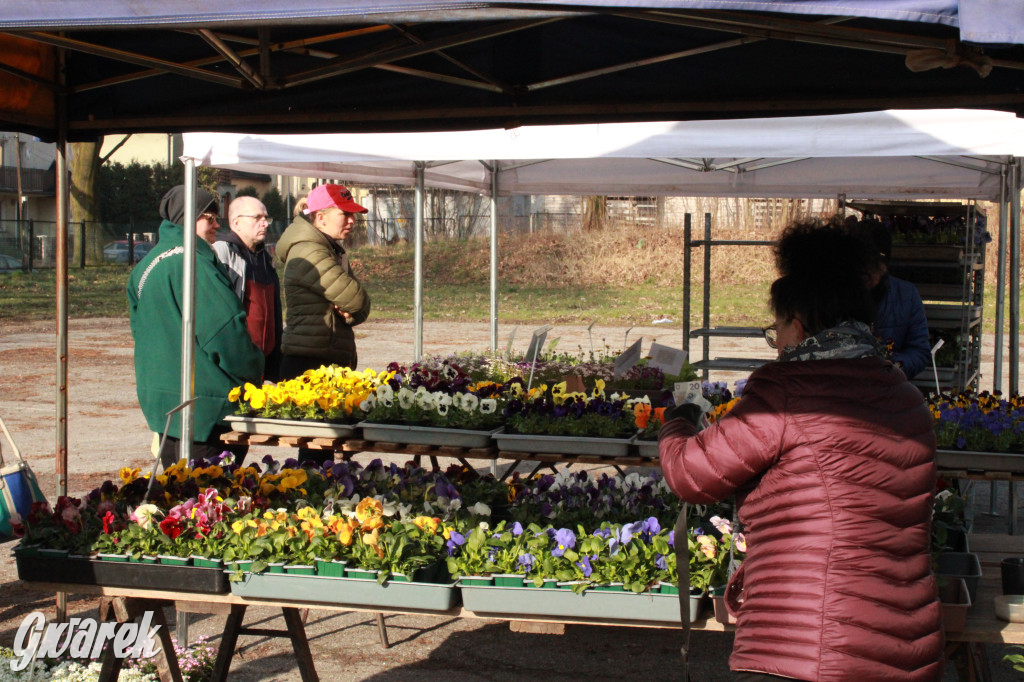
column 876, row 154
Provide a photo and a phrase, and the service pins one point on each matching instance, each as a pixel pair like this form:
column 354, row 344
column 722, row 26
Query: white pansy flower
column 368, row 404
column 406, row 398
column 484, row 526
column 470, row 402
column 480, row 509
column 442, row 409
column 443, row 399
column 144, row 513
column 488, row 406
column 385, row 392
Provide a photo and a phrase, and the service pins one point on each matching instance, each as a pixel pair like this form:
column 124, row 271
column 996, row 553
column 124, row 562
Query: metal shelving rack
column 951, row 281
column 705, row 332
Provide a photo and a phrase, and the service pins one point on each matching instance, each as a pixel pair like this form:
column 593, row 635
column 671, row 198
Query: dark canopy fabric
column 377, row 66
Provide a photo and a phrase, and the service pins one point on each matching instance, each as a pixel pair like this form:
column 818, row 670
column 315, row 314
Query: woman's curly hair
column 823, row 272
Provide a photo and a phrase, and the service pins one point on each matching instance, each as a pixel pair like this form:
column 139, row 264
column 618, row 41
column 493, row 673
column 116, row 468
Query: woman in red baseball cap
column 323, row 299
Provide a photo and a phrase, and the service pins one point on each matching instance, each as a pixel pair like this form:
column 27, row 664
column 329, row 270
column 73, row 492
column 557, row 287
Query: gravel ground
column 106, row 431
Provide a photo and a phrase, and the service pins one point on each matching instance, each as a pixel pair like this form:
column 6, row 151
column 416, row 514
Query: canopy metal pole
column 61, row 277
column 417, row 286
column 494, row 256
column 997, row 355
column 188, row 307
column 1014, row 281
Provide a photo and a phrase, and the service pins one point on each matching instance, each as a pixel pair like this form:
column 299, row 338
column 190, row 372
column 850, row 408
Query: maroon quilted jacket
column 834, row 465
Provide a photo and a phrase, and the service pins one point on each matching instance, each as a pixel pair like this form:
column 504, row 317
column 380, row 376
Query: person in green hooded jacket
column 225, row 355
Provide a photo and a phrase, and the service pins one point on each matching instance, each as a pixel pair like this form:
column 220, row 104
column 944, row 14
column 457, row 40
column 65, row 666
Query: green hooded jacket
column 225, row 356
column 317, row 277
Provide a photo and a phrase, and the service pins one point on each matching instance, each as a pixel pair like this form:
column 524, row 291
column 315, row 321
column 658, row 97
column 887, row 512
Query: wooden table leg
column 301, row 645
column 382, row 630
column 227, row 643
column 110, row 669
column 126, row 609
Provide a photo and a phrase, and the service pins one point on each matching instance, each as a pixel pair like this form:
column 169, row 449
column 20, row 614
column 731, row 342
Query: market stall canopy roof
column 371, row 65
column 890, row 154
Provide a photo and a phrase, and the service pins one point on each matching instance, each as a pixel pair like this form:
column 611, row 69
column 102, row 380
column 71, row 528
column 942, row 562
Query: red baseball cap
column 326, row 196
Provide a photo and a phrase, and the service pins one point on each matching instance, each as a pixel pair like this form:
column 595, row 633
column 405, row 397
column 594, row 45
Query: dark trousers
column 291, row 367
column 170, row 452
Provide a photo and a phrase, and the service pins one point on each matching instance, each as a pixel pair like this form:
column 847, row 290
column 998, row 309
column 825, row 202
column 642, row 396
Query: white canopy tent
column 963, row 154
column 886, row 154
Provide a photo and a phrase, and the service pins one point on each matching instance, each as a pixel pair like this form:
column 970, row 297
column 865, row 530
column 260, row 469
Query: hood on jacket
column 172, row 206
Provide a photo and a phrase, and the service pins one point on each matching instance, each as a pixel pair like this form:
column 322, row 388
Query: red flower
column 108, row 522
column 171, row 527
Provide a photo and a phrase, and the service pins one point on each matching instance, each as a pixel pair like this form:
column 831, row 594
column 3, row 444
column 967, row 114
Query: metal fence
column 33, row 243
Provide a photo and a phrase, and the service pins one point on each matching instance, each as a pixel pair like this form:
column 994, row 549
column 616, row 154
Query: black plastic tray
column 118, row 574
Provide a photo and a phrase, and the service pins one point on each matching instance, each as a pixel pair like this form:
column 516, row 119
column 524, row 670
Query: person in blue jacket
column 900, row 321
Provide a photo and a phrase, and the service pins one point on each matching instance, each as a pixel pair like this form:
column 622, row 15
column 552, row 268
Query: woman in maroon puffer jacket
column 832, row 456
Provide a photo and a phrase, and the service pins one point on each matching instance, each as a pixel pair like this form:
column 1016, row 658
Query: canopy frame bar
column 342, row 65
column 131, row 58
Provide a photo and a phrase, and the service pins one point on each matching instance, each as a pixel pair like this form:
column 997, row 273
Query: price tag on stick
column 629, row 357
column 669, row 360
column 508, row 346
column 536, row 343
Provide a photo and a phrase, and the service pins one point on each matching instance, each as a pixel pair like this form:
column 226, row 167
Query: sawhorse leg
column 125, row 610
column 295, row 631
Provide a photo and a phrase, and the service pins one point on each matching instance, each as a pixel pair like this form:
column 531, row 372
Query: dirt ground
column 106, row 431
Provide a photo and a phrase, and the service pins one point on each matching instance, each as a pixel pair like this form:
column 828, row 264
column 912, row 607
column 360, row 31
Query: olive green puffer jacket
column 317, row 277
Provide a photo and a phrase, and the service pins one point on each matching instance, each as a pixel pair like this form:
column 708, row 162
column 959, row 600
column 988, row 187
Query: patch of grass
column 638, row 304
column 92, row 292
column 563, row 279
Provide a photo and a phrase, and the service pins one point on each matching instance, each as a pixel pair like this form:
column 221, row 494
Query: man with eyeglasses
column 251, row 271
column 225, row 356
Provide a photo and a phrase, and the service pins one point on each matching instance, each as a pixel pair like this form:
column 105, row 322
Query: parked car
column 9, row 263
column 117, row 251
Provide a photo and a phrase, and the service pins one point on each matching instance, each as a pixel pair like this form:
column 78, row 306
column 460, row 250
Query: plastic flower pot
column 569, row 584
column 299, row 569
column 423, row 574
column 240, row 565
column 696, row 603
column 50, row 553
column 276, row 567
column 668, row 588
column 361, row 573
column 146, row 559
column 118, row 558
column 330, row 568
column 174, row 560
column 609, row 587
column 722, row 614
column 509, row 579
column 476, row 580
column 207, row 562
column 24, row 550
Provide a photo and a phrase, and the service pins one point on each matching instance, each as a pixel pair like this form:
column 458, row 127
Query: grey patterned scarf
column 845, row 341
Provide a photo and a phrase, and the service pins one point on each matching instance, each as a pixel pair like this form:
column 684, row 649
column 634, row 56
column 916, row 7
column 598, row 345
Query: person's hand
column 688, row 411
column 344, row 316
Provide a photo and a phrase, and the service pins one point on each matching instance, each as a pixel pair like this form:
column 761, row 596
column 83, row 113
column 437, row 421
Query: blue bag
column 18, row 489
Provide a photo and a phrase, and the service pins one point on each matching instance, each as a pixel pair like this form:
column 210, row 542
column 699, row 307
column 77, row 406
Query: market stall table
column 129, row 603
